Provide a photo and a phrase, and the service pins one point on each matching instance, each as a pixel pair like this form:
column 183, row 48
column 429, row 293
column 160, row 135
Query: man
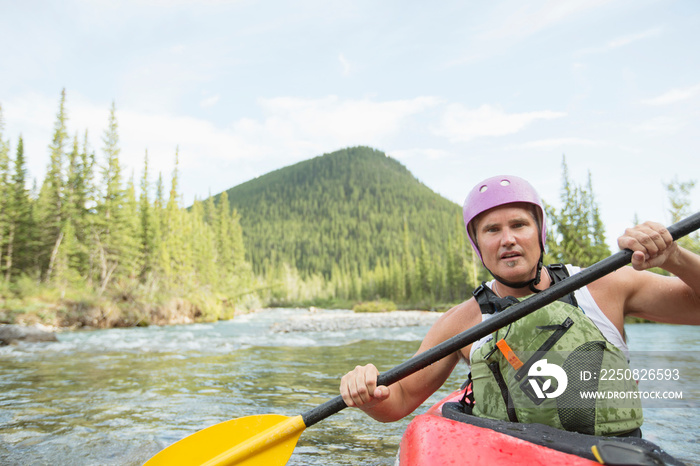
column 506, row 225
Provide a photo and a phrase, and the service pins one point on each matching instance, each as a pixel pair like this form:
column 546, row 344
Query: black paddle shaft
column 500, row 320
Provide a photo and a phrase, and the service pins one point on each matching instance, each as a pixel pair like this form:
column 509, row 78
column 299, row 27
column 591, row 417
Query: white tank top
column 589, row 307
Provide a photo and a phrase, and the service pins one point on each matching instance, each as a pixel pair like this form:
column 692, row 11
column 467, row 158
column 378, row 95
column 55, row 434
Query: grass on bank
column 127, row 303
column 375, row 306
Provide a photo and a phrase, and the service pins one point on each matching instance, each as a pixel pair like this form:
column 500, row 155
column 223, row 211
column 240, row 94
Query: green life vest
column 518, row 374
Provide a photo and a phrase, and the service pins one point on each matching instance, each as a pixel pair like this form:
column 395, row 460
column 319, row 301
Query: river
column 117, row 397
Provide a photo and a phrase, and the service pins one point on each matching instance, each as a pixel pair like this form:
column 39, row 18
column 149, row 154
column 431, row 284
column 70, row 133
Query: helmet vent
column 483, row 189
column 505, row 182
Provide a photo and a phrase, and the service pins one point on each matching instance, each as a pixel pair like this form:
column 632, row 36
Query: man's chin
column 513, row 266
column 515, row 273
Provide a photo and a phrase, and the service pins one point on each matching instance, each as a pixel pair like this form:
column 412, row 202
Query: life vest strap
column 490, row 303
column 505, row 393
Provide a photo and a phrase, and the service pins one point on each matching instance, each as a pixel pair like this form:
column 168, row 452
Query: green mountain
column 349, row 211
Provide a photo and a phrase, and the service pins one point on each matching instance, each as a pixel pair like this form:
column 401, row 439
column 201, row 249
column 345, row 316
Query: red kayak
column 447, row 435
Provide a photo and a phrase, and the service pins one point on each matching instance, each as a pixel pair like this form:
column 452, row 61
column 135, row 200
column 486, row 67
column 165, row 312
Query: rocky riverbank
column 313, row 321
column 12, row 334
column 112, row 312
column 346, row 320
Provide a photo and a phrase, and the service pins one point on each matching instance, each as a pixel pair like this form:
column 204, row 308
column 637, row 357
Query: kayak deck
column 446, row 435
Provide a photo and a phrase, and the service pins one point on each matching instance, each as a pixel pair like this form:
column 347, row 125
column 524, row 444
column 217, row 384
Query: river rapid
column 117, row 397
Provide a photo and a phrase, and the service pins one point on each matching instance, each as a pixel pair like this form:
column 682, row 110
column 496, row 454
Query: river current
column 117, row 397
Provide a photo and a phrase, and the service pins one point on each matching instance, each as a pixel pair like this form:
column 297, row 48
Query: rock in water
column 18, row 333
column 340, row 321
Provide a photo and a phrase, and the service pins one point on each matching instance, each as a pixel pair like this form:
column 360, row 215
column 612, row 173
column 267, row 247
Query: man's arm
column 652, row 296
column 387, row 404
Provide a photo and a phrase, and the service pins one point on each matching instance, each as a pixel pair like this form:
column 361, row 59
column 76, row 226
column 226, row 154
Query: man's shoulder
column 462, row 316
column 615, row 278
column 465, row 307
column 614, row 287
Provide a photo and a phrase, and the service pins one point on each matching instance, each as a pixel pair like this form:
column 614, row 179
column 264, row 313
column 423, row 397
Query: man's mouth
column 509, row 255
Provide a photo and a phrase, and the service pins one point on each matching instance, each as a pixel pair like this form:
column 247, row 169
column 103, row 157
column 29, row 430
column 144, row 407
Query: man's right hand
column 359, row 388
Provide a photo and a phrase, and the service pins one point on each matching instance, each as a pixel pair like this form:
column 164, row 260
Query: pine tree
column 50, row 203
column 210, row 213
column 86, row 202
column 20, row 244
column 396, row 292
column 5, row 221
column 461, row 272
column 158, row 227
column 451, row 280
column 425, row 280
column 203, row 241
column 112, row 232
column 599, row 249
column 237, row 245
column 131, row 251
column 71, row 255
column 79, row 207
column 571, row 223
column 679, row 198
column 224, row 244
column 577, row 235
column 63, row 274
column 176, row 252
column 147, row 231
column 407, row 264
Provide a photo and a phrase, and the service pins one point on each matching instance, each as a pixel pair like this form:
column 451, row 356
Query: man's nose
column 507, row 236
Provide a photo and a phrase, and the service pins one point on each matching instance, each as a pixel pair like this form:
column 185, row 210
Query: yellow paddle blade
column 264, row 440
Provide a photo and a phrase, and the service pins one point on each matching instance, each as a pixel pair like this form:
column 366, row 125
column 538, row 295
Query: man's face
column 509, row 241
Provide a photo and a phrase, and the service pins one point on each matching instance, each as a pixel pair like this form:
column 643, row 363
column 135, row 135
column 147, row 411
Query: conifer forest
column 89, row 247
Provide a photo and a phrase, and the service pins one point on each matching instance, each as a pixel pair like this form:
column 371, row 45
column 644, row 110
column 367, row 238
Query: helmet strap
column 538, row 275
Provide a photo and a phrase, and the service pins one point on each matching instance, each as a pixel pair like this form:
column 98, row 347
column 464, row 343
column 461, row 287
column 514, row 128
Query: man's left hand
column 651, row 243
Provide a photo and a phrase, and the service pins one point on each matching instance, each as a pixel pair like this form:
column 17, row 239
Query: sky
column 457, row 91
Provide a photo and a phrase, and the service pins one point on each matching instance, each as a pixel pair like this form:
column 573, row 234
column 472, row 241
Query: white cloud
column 332, row 121
column 290, row 129
column 462, row 124
column 674, row 95
column 662, row 125
column 631, row 38
column 33, row 116
column 509, row 23
column 623, row 41
column 422, row 154
column 526, row 19
column 556, row 142
column 209, row 101
column 345, row 64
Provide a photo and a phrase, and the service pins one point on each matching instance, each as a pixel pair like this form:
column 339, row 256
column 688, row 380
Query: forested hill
column 353, row 209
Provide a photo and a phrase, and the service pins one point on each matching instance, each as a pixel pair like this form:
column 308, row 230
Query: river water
column 117, row 397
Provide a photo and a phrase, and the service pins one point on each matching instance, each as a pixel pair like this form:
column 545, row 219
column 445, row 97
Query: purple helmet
column 497, row 191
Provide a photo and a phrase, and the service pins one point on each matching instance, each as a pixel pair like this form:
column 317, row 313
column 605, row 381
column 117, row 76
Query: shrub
column 375, row 306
